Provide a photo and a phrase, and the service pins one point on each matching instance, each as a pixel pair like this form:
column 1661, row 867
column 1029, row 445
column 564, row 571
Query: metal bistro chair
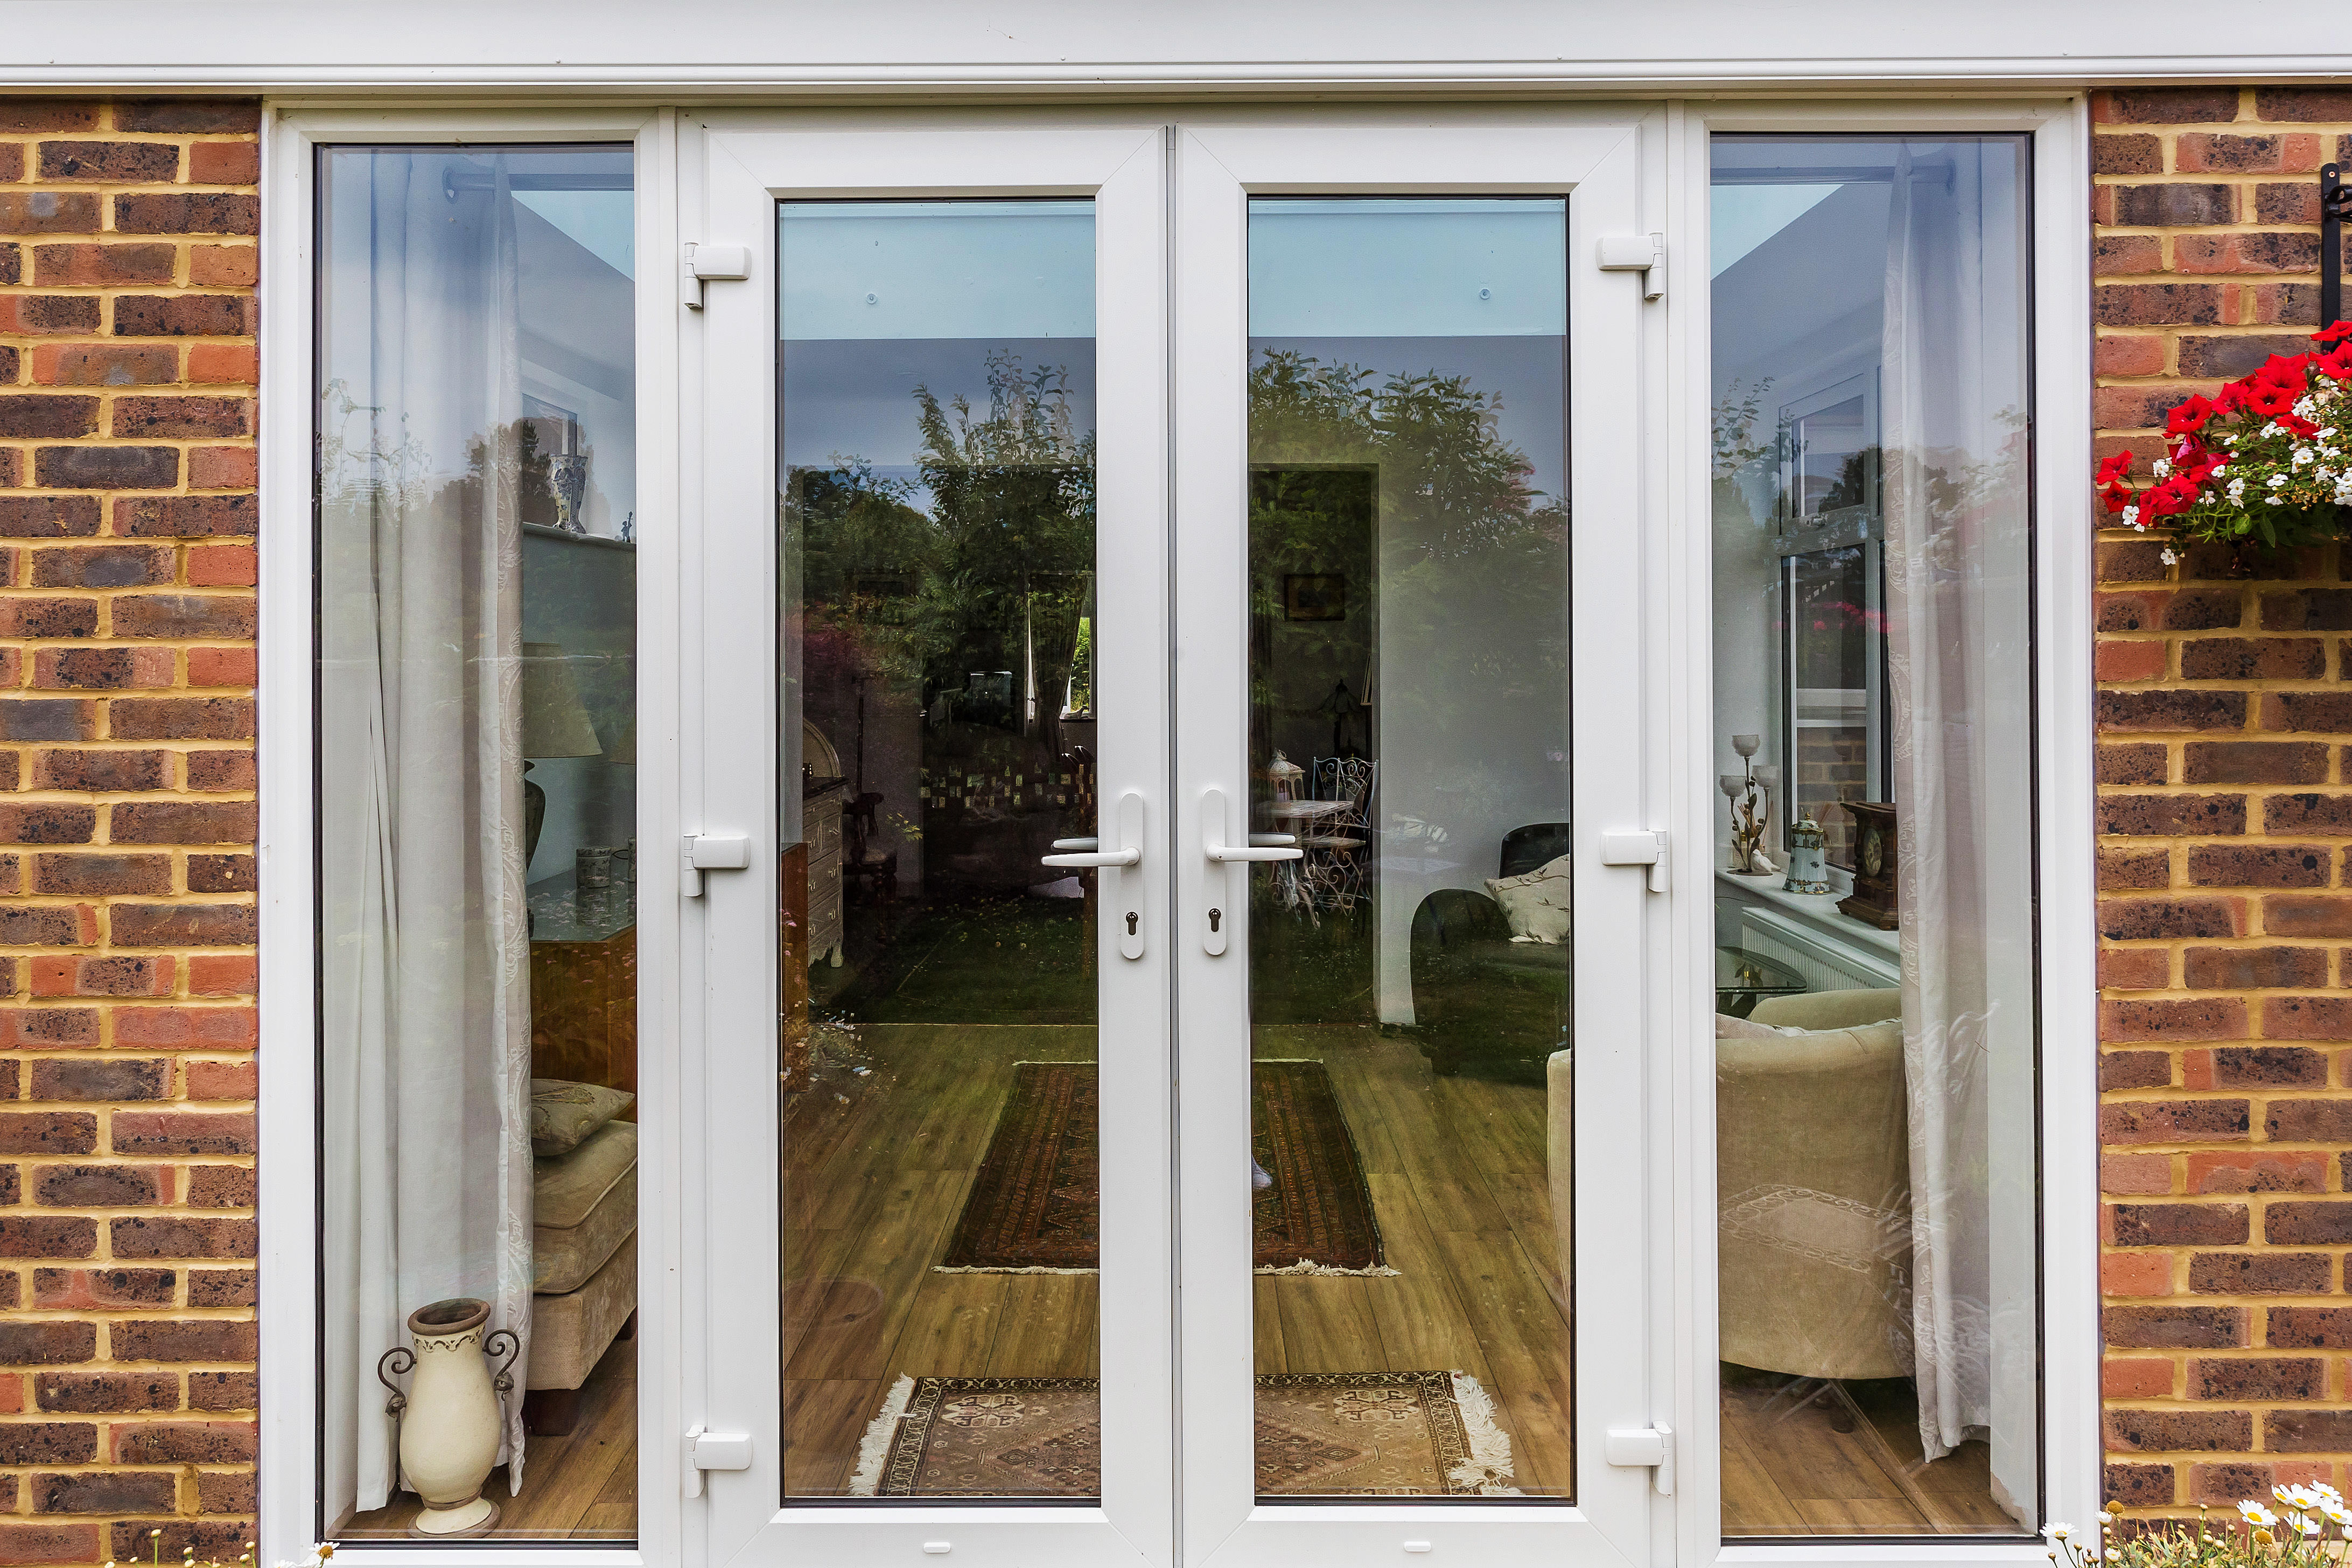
column 1333, row 868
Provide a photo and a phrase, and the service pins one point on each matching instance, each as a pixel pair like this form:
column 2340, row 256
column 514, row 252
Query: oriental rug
column 1345, row 1434
column 1034, row 1209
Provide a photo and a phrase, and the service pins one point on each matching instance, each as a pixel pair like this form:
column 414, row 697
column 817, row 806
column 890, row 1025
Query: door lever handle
column 1089, row 852
column 1093, row 856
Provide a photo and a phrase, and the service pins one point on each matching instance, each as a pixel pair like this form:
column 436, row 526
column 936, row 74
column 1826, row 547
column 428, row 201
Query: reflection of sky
column 602, row 223
column 1742, row 217
column 1531, row 373
column 868, row 270
column 1424, row 267
column 845, row 398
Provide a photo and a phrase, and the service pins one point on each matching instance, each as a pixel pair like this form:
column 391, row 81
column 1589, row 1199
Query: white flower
column 2275, row 480
column 2131, row 515
column 2161, row 466
column 2237, row 492
column 2308, row 1524
column 2057, row 1532
column 2330, row 1493
column 2171, row 558
column 2255, row 1513
column 2333, row 1509
column 2302, row 455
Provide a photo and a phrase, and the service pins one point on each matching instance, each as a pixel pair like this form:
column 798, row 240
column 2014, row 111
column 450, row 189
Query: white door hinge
column 711, row 852
column 1650, row 1447
column 708, row 1451
column 1647, row 848
column 697, row 264
column 1643, row 253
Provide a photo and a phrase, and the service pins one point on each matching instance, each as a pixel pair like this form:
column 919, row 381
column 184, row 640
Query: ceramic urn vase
column 449, row 1433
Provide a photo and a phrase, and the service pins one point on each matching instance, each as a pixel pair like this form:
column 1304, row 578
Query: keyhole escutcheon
column 1130, row 922
column 1214, row 915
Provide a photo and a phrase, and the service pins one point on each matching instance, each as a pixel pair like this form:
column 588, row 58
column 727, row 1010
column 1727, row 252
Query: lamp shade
column 554, row 720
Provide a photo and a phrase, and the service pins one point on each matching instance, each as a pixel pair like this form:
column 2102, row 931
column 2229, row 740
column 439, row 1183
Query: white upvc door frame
column 734, row 168
column 287, row 1113
column 2064, row 804
column 1608, row 163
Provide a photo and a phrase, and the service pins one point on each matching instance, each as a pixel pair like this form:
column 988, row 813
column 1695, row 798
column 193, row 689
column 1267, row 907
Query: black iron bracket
column 2334, row 205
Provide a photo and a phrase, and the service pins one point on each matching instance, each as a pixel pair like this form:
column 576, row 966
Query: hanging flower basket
column 2263, row 465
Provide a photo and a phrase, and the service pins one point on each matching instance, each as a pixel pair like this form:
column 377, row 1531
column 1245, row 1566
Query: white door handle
column 1093, row 856
column 711, row 852
column 1220, row 901
column 1126, row 894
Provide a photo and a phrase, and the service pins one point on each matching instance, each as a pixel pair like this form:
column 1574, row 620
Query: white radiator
column 1827, row 963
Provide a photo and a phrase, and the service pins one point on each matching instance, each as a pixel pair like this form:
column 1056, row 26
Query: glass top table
column 1742, row 979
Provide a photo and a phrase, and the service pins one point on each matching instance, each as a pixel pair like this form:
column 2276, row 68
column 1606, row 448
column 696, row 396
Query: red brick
column 2260, row 1273
column 2136, row 659
column 181, row 1133
column 2307, row 914
column 2136, row 1274
column 211, row 1340
column 210, row 974
column 2174, row 1431
column 223, row 566
column 2258, row 1171
column 223, row 468
column 218, row 770
column 2164, row 1121
column 2146, row 920
column 220, row 1186
column 184, row 614
column 224, row 266
column 222, row 1081
column 180, row 719
column 2134, row 1378
column 2136, row 969
column 231, row 163
column 2252, row 762
column 198, row 1029
column 2253, row 968
column 186, row 517
column 180, row 822
column 107, row 1392
column 2307, row 1017
column 2202, row 1019
column 222, row 665
column 2166, row 105
column 48, row 1540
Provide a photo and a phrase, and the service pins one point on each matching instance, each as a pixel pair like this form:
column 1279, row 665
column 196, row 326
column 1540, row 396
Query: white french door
column 1168, row 626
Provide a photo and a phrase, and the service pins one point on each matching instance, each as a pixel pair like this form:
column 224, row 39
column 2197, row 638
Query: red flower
column 2269, row 401
column 2296, row 423
column 2279, row 370
column 2336, row 364
column 2230, row 398
column 2167, row 497
column 2189, row 415
column 2115, row 467
column 2334, row 334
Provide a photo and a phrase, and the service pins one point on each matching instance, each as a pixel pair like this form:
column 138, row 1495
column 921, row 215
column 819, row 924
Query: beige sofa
column 1813, row 1188
column 585, row 1266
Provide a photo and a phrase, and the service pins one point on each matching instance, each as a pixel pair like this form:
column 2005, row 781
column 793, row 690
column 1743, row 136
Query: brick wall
column 127, row 372
column 2225, row 912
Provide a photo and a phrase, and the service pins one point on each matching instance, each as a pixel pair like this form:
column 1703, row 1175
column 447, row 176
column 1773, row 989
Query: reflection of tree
column 995, row 575
column 1472, row 562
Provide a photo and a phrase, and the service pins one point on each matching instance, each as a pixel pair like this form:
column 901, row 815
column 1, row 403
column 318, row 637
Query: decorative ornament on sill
column 1750, row 793
column 1807, row 867
column 1876, row 848
column 452, row 1418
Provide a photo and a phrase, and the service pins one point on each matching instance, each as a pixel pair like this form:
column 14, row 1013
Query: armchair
column 1478, row 995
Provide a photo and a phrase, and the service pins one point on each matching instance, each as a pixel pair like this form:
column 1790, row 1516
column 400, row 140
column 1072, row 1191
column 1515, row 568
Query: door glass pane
column 1874, row 883
column 936, row 533
column 1408, row 729
column 477, row 507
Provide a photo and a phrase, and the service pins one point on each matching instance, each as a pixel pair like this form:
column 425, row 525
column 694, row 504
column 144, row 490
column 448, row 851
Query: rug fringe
column 1488, row 1468
column 1378, row 1270
column 873, row 1449
column 1029, row 1268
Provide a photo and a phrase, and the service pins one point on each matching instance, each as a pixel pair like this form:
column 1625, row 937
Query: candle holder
column 1750, row 794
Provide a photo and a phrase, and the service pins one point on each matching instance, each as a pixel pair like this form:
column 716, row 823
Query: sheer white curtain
column 426, row 1071
column 1952, row 399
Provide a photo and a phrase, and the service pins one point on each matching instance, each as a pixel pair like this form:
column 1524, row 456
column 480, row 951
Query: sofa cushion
column 562, row 1114
column 1537, row 903
column 585, row 1206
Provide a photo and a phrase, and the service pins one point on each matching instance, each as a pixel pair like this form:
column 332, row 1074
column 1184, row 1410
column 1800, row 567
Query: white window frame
column 1677, row 558
column 2065, row 850
column 286, row 1115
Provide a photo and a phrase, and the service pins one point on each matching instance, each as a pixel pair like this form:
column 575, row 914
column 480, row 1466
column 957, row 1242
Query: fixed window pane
column 1874, row 873
column 477, row 496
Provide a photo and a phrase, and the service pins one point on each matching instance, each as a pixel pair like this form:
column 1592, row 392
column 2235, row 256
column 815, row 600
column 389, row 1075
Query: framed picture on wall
column 1306, row 597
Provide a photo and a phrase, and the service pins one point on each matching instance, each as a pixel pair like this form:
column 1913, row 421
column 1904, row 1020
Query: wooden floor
column 1787, row 1470
column 582, row 1486
column 877, row 1168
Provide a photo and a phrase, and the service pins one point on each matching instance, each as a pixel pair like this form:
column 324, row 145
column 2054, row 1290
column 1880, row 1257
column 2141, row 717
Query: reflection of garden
column 957, row 599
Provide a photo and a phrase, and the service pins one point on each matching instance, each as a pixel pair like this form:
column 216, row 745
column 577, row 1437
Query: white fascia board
column 718, row 48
